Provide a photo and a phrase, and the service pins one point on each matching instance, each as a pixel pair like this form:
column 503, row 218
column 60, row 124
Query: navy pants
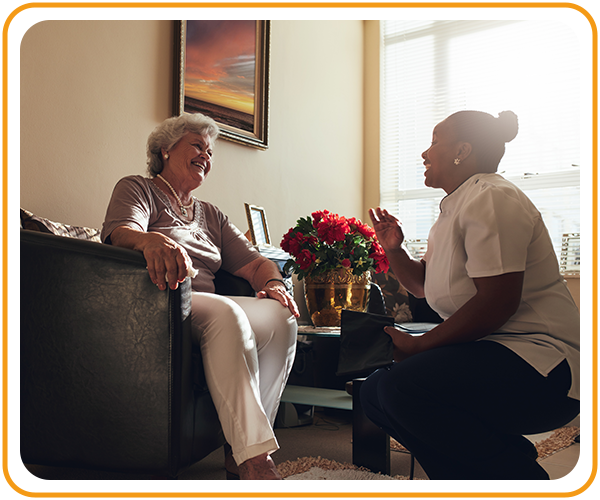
column 462, row 410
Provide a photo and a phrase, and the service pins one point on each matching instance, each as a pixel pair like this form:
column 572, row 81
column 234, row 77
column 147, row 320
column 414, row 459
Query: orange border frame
column 299, row 5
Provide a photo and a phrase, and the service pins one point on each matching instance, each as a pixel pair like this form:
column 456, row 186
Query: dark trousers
column 462, row 410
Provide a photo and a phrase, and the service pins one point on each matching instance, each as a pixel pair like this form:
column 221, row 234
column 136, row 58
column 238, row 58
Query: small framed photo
column 222, row 71
column 257, row 222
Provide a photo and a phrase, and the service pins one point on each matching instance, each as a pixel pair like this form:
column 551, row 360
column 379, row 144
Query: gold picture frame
column 227, row 81
column 257, row 223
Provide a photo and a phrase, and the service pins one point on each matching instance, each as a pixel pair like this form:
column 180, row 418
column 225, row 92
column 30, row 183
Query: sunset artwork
column 220, row 67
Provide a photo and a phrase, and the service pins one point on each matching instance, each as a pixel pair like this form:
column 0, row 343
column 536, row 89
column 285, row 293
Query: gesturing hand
column 388, row 228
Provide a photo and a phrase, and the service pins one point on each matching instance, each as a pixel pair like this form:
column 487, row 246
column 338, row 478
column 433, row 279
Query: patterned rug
column 311, row 468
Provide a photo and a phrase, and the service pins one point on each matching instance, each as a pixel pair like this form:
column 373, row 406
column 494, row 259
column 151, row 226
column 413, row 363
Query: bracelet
column 276, row 279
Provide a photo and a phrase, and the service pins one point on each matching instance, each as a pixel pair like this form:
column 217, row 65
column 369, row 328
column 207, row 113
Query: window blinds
column 434, row 68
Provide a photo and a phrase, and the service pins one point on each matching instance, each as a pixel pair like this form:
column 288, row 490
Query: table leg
column 370, row 444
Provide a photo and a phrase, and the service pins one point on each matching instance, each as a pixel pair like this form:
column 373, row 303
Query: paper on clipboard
column 415, row 328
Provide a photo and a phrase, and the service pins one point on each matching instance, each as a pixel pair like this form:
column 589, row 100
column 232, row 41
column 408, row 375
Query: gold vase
column 327, row 294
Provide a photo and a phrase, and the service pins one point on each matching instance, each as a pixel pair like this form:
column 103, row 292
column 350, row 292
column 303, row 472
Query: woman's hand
column 277, row 291
column 405, row 345
column 259, row 274
column 166, row 260
column 388, row 229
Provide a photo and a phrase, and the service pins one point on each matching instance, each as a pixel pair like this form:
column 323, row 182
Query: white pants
column 248, row 347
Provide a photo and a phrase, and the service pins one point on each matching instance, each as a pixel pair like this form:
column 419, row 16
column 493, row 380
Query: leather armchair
column 110, row 379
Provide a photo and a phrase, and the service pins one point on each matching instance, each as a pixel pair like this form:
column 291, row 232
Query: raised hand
column 388, row 229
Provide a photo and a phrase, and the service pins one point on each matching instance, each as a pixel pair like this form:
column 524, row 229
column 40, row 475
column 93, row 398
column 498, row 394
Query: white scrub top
column 488, row 227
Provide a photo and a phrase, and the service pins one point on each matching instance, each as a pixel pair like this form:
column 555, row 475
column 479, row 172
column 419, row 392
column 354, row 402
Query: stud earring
column 167, row 156
column 456, row 161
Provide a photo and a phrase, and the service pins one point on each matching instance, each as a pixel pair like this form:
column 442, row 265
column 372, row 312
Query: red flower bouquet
column 325, row 241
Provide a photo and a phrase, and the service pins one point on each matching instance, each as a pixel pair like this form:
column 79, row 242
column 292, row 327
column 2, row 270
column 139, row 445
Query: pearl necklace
column 182, row 207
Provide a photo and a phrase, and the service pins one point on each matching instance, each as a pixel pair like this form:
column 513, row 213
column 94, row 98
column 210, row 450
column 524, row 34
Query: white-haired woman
column 247, row 343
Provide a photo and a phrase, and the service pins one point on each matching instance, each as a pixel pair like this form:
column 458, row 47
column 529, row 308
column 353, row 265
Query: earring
column 167, row 156
column 456, row 161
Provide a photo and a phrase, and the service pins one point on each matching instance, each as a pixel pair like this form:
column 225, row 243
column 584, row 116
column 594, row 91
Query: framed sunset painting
column 222, row 71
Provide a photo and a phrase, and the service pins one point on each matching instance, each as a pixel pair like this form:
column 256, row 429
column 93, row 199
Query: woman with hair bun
column 505, row 361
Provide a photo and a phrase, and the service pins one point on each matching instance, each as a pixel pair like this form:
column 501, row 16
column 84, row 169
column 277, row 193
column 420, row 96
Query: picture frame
column 257, row 223
column 227, row 81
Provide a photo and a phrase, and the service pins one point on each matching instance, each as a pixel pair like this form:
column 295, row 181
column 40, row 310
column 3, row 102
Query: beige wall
column 91, row 92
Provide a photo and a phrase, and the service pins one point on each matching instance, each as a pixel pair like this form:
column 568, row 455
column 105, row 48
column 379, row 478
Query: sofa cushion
column 32, row 222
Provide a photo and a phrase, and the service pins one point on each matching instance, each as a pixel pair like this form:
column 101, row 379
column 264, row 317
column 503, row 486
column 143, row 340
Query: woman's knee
column 390, row 390
column 215, row 314
column 370, row 390
column 271, row 322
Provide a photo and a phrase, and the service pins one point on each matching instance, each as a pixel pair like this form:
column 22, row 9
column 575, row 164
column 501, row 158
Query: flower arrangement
column 325, row 242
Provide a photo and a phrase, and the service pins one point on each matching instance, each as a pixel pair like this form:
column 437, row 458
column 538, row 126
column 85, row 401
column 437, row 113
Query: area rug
column 558, row 440
column 319, row 469
column 311, row 468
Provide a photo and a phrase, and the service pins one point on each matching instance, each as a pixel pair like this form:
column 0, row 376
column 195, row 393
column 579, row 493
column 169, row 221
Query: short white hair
column 170, row 132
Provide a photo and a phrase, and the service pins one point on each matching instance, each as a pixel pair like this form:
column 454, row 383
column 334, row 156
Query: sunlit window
column 434, row 68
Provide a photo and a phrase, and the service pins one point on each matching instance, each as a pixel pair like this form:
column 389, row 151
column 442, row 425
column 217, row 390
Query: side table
column 370, row 444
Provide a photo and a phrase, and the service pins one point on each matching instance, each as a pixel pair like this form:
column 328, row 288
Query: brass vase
column 327, row 294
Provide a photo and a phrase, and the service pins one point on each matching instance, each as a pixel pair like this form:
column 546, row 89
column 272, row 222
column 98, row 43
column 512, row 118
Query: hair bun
column 508, row 125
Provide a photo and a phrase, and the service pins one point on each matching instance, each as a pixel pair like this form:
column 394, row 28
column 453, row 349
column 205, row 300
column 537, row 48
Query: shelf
column 315, row 396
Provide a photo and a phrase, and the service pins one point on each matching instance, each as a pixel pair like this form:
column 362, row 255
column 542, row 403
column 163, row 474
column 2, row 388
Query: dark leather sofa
column 110, row 379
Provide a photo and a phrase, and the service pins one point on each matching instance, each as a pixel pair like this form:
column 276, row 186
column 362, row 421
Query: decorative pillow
column 395, row 295
column 34, row 223
column 401, row 305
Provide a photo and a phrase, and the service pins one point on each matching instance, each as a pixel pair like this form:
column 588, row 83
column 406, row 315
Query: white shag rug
column 319, row 469
column 318, row 474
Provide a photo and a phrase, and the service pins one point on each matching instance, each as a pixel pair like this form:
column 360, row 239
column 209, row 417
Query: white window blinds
column 434, row 68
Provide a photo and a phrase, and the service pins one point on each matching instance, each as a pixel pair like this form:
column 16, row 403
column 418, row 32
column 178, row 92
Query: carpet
column 311, row 468
column 317, row 468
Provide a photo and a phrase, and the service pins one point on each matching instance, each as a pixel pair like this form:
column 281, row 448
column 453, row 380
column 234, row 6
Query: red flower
column 287, row 239
column 305, row 259
column 364, row 229
column 318, row 215
column 326, row 241
column 382, row 264
column 332, row 228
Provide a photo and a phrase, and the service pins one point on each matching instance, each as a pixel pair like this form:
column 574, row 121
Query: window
column 434, row 68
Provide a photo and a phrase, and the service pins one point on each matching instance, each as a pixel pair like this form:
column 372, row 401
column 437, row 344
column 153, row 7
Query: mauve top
column 211, row 241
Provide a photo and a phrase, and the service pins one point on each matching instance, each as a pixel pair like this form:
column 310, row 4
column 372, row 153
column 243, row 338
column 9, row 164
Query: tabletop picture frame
column 222, row 71
column 257, row 223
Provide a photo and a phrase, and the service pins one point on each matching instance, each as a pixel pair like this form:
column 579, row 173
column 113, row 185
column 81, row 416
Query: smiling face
column 441, row 170
column 189, row 161
column 439, row 158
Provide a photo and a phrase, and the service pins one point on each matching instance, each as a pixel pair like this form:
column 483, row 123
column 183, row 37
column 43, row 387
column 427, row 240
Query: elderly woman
column 505, row 360
column 247, row 343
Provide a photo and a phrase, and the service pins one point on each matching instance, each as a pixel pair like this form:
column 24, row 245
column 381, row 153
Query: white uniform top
column 488, row 227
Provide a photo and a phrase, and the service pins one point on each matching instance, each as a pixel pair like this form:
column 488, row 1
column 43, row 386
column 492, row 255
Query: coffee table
column 370, row 444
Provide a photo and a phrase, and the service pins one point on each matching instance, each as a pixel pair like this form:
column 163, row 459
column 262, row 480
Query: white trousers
column 248, row 347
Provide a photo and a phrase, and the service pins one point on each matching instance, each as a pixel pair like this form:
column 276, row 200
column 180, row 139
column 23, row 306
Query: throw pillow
column 395, row 296
column 32, row 222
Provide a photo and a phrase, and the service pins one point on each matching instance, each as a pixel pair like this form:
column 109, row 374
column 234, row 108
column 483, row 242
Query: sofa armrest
column 105, row 357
